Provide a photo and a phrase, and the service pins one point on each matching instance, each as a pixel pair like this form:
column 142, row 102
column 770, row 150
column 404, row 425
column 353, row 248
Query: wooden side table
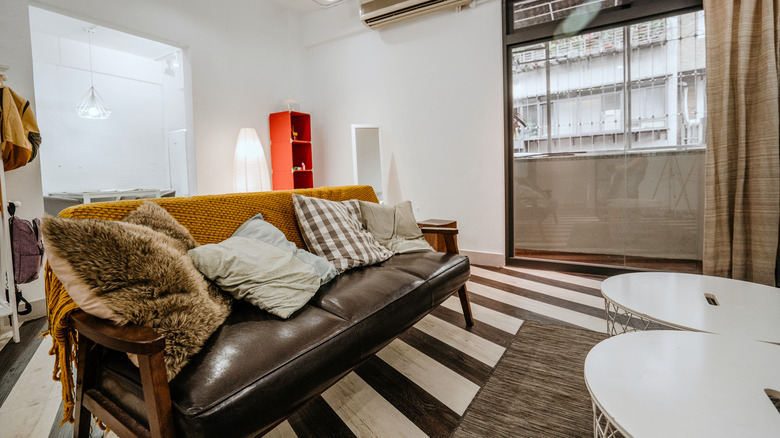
column 435, row 240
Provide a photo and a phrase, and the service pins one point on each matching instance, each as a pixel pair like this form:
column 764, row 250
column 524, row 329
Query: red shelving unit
column 291, row 150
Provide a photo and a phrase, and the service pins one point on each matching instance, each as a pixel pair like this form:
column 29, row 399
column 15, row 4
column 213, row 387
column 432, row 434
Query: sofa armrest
column 127, row 338
column 448, row 234
column 443, row 231
column 149, row 346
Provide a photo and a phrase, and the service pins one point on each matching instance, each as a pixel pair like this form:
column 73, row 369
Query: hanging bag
column 26, row 248
column 27, row 253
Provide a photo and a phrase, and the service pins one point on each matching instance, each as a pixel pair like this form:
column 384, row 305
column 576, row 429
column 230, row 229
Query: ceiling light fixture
column 327, row 3
column 91, row 105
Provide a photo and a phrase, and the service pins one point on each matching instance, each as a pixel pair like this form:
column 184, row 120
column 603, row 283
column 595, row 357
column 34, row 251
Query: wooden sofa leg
column 156, row 395
column 86, row 362
column 464, row 302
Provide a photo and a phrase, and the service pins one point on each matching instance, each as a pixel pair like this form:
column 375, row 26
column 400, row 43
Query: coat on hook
column 20, row 137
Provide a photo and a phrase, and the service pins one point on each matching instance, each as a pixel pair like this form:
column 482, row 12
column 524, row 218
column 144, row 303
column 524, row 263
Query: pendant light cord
column 91, row 105
column 90, row 31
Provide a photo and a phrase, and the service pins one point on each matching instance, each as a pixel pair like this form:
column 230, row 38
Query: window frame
column 634, row 12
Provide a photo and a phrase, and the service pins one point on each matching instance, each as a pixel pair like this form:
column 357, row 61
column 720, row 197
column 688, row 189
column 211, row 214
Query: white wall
column 127, row 150
column 245, row 58
column 175, row 129
column 435, row 86
column 23, row 184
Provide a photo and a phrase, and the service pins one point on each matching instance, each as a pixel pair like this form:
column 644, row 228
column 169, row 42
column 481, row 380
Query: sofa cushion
column 360, row 293
column 147, row 214
column 257, row 228
column 157, row 218
column 333, row 230
column 379, row 302
column 443, row 272
column 385, row 299
column 141, row 275
column 79, row 291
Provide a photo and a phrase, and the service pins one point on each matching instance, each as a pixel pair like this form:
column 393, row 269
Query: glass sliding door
column 608, row 145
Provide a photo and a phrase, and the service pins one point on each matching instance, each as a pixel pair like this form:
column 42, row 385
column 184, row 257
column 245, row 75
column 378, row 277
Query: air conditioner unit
column 378, row 13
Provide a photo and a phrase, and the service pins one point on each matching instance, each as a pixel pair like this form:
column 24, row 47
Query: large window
column 534, row 12
column 584, row 78
column 607, row 143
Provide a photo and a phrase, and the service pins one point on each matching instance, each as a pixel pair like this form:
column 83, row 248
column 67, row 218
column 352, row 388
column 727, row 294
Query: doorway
column 367, row 157
column 146, row 140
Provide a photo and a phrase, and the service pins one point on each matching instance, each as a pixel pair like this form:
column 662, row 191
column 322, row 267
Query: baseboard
column 38, row 310
column 484, row 258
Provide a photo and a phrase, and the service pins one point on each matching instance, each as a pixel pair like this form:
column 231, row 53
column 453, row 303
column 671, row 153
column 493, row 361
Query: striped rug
column 538, row 389
column 420, row 385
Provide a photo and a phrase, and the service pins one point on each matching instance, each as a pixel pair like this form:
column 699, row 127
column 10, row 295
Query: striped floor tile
column 419, row 385
column 421, row 374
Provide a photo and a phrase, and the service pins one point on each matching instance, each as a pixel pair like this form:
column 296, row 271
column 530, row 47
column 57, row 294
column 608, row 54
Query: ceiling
column 44, row 21
column 62, row 26
column 300, row 6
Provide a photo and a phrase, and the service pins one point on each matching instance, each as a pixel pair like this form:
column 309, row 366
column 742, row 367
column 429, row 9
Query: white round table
column 687, row 384
column 692, row 302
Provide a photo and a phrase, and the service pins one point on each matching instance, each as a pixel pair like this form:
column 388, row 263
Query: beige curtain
column 742, row 210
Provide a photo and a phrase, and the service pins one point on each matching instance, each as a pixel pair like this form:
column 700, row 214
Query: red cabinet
column 291, row 150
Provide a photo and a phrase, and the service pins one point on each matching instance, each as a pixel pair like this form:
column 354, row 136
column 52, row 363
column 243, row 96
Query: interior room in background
column 142, row 144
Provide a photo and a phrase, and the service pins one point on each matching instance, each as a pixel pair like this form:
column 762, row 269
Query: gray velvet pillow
column 259, row 229
column 268, row 277
column 143, row 277
column 395, row 227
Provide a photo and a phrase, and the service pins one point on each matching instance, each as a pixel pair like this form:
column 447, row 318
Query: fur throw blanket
column 139, row 271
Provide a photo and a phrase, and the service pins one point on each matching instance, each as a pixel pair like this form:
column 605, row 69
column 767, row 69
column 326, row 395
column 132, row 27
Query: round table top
column 671, row 383
column 744, row 309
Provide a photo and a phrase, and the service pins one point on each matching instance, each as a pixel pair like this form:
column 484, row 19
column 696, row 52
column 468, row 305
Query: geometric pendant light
column 327, row 3
column 91, row 105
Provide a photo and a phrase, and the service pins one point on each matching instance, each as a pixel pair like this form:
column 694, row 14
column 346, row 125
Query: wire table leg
column 621, row 321
column 602, row 428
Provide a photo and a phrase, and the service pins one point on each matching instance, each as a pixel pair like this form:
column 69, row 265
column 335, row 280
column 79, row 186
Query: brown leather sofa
column 257, row 369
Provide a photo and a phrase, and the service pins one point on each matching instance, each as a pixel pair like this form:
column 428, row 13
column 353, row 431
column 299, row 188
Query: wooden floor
column 437, row 366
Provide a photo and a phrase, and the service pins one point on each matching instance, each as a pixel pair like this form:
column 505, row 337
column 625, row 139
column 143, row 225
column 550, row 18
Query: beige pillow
column 395, row 227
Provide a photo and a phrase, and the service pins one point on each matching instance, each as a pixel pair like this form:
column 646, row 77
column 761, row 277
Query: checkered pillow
column 333, row 230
